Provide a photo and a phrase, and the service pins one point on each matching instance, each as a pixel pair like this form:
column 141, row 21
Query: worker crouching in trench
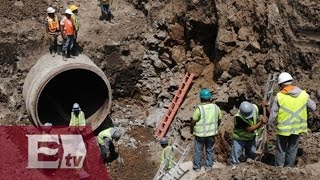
column 107, row 148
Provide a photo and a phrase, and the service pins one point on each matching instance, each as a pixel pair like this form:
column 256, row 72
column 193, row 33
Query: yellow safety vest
column 77, row 121
column 167, row 157
column 76, row 22
column 292, row 115
column 242, row 134
column 104, row 134
column 208, row 123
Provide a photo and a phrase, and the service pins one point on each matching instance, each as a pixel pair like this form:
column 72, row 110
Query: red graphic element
column 15, row 153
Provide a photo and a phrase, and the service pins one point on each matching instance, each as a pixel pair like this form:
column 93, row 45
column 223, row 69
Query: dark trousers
column 112, row 153
column 199, row 144
column 286, row 152
column 53, row 38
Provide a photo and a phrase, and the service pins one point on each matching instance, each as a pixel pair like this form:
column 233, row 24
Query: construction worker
column 77, row 116
column 289, row 114
column 206, row 119
column 74, row 10
column 105, row 139
column 52, row 30
column 68, row 34
column 106, row 10
column 246, row 121
column 167, row 155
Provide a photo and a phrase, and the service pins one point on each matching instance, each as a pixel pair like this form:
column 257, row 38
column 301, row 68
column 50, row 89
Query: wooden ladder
column 174, row 105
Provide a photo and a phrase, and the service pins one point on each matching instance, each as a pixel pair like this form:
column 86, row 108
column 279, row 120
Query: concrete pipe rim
column 74, row 66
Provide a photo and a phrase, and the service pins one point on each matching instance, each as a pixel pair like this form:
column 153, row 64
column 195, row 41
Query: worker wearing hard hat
column 246, row 122
column 105, row 140
column 206, row 119
column 167, row 156
column 289, row 114
column 77, row 116
column 74, row 10
column 68, row 33
column 52, row 30
column 105, row 6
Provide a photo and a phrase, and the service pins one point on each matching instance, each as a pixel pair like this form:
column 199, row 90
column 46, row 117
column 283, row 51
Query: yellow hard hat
column 73, row 7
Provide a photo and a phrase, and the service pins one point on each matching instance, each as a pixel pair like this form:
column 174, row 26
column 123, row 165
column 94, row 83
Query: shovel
column 120, row 159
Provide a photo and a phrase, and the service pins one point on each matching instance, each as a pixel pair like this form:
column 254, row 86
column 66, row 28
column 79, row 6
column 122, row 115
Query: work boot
column 208, row 169
column 64, row 54
column 69, row 55
column 59, row 49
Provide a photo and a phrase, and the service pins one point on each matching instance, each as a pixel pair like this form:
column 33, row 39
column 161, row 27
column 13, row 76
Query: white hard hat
column 285, row 78
column 51, row 10
column 246, row 109
column 68, row 11
column 47, row 124
column 76, row 107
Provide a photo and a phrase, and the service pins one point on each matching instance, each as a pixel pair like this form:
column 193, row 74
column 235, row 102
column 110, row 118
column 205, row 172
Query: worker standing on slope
column 105, row 6
column 68, row 34
column 167, row 156
column 74, row 9
column 289, row 113
column 246, row 121
column 105, row 139
column 52, row 30
column 206, row 119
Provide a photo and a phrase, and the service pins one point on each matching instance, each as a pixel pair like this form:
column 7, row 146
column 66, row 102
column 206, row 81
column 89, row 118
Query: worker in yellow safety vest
column 77, row 117
column 289, row 115
column 167, row 156
column 204, row 126
column 106, row 145
column 52, row 30
column 246, row 122
column 74, row 9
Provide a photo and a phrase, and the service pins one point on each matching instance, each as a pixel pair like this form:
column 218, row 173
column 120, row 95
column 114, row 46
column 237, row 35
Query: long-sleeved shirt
column 293, row 91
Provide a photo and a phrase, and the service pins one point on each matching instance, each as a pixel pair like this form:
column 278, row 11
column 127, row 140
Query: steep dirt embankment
column 21, row 42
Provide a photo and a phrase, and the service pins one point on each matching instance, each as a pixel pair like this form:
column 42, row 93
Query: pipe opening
column 72, row 86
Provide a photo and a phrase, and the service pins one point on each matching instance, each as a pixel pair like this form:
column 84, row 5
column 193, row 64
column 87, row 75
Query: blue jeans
column 199, row 144
column 237, row 150
column 105, row 9
column 287, row 148
column 68, row 43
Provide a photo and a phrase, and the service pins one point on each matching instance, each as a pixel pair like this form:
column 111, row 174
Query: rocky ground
column 229, row 45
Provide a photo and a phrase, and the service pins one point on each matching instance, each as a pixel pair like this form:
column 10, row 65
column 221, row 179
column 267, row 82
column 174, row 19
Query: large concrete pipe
column 53, row 85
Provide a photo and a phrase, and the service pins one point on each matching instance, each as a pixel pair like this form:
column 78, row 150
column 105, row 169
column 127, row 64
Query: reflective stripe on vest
column 167, row 157
column 208, row 123
column 68, row 26
column 77, row 120
column 104, row 134
column 53, row 25
column 292, row 115
column 242, row 134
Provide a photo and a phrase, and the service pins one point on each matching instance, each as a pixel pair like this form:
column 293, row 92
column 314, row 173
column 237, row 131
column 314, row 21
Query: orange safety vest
column 53, row 25
column 68, row 26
